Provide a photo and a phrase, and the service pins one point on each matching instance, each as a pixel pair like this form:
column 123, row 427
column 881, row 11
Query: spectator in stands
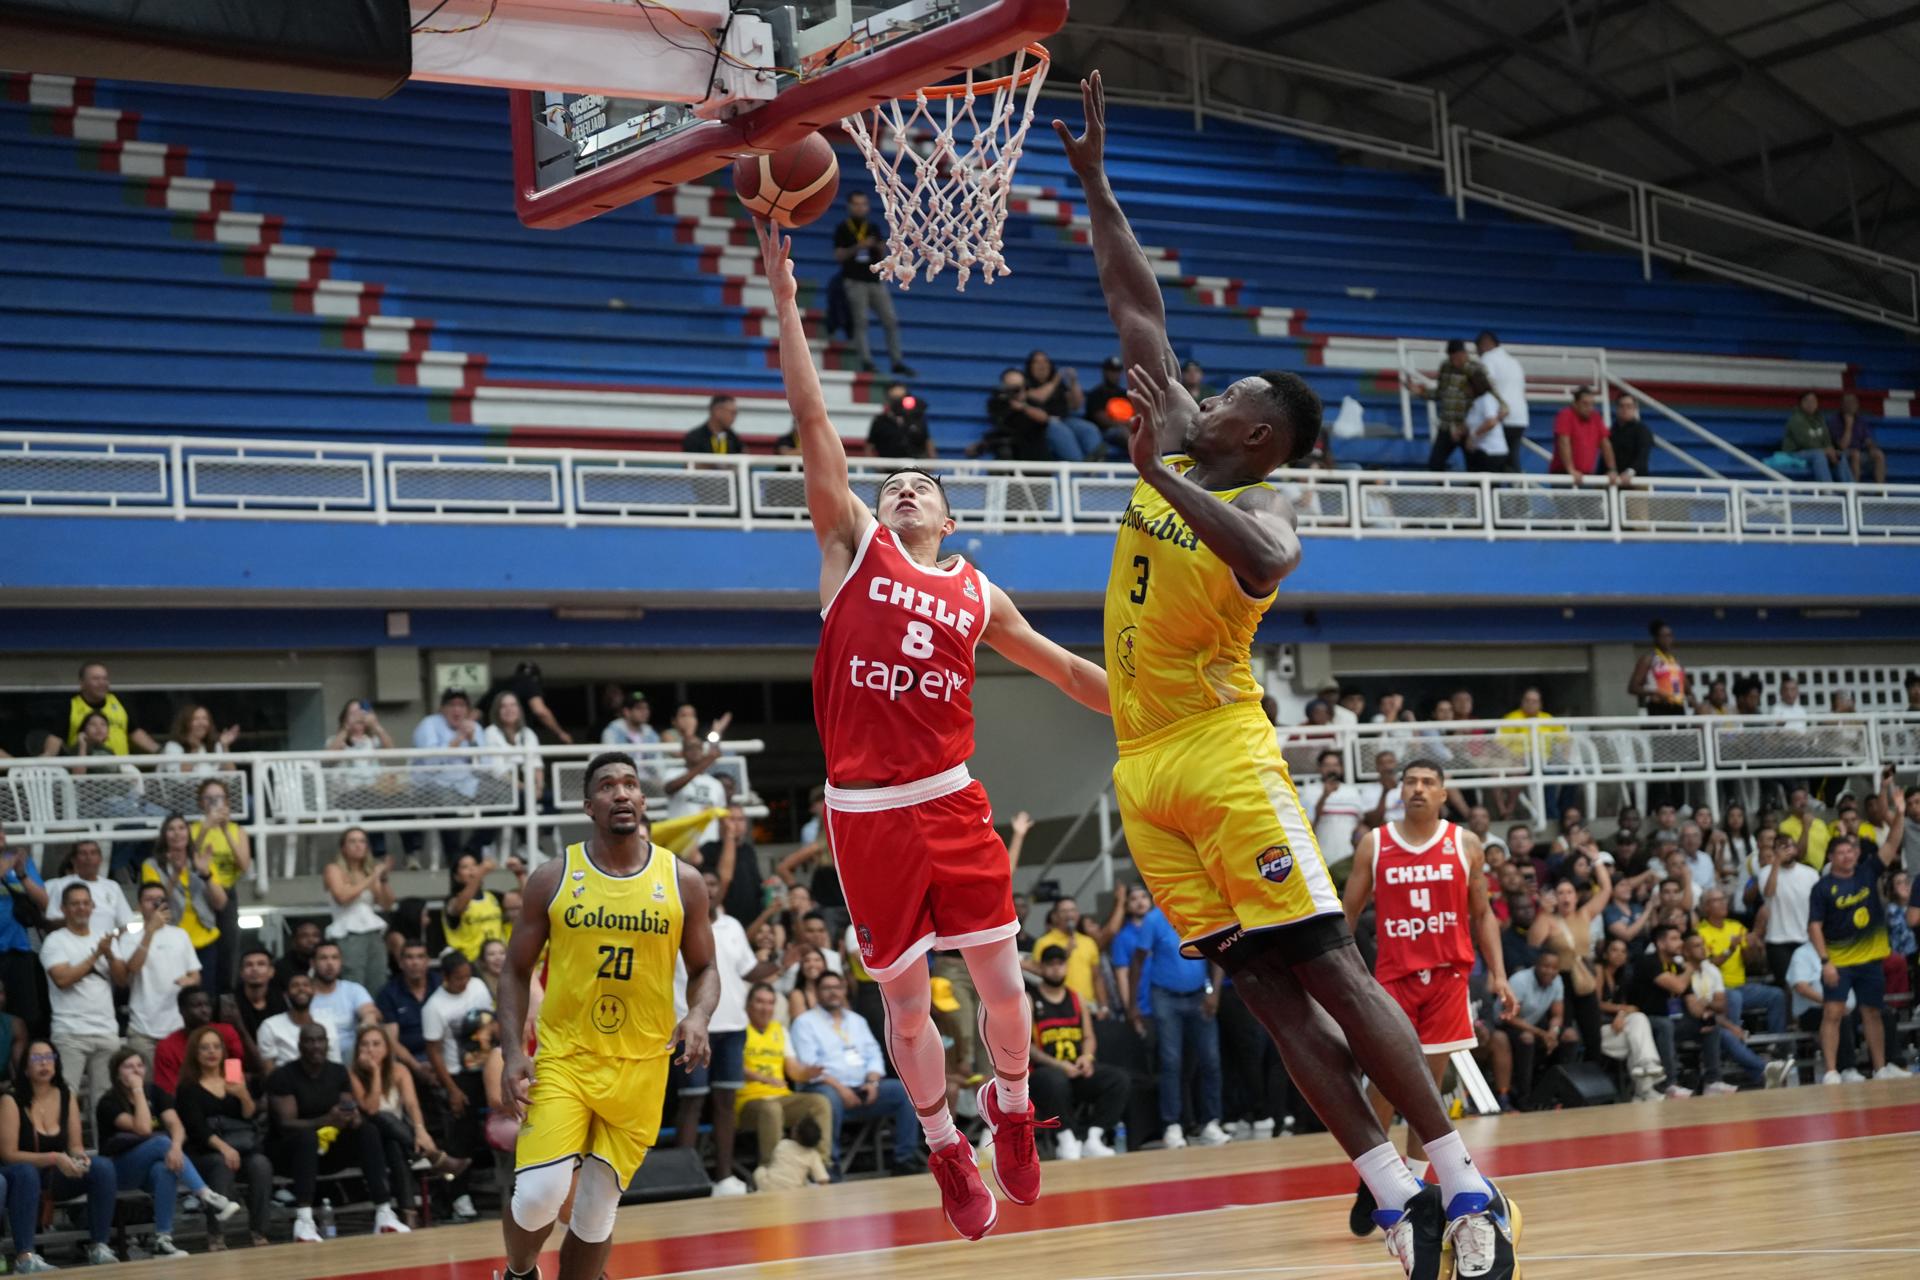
column 260, row 995
column 1510, row 384
column 138, row 1130
column 1135, row 995
column 444, row 782
column 1070, row 437
column 41, row 1148
column 1483, row 441
column 1656, row 987
column 1726, row 941
column 1627, row 1036
column 1185, row 1006
column 472, row 913
column 1847, row 927
column 716, row 433
column 858, row 243
column 631, row 728
column 110, row 909
column 402, row 1001
column 1536, row 1028
column 193, row 735
column 232, row 858
column 81, row 967
column 1810, row 833
column 1632, row 440
column 360, row 889
column 1788, row 705
column 1807, row 994
column 303, row 939
column 20, row 960
column 1720, row 1034
column 802, row 982
column 1068, row 1081
column 195, row 1007
column 217, row 1117
column 899, row 430
column 157, row 963
column 1016, row 427
column 528, row 686
column 1108, row 407
column 1717, row 702
column 384, row 1091
column 1382, row 797
column 1084, row 977
column 736, row 862
column 1336, row 807
column 280, row 1035
column 96, row 694
column 508, row 730
column 1806, row 437
column 852, row 1073
column 1580, row 440
column 194, row 897
column 766, row 1103
column 695, row 790
column 310, row 1095
column 1787, row 888
column 1194, row 379
column 449, row 1017
column 343, row 1004
column 1453, row 391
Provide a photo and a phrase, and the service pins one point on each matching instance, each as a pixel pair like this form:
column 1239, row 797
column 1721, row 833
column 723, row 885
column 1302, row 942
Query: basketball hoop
column 948, row 207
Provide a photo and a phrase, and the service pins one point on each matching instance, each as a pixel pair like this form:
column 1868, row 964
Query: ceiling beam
column 1807, row 145
column 1474, row 58
column 1307, row 21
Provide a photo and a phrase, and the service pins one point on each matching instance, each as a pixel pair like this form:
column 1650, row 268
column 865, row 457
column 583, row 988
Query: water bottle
column 1120, row 1138
column 328, row 1227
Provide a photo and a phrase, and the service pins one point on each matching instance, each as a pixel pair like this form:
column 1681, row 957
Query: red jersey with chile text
column 893, row 677
column 1420, row 903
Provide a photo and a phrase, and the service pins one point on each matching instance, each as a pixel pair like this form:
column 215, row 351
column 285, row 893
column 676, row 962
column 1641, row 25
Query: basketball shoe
column 1480, row 1238
column 970, row 1206
column 1416, row 1235
column 1016, row 1165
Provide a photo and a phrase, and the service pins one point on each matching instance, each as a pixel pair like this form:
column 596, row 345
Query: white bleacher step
column 398, row 335
column 761, row 416
column 44, row 90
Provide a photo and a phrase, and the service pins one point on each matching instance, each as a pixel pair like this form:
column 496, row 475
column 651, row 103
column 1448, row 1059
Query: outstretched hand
column 1148, row 391
column 1087, row 152
column 775, row 256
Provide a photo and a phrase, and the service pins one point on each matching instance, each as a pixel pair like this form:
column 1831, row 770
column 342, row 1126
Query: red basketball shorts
column 920, row 872
column 1440, row 1008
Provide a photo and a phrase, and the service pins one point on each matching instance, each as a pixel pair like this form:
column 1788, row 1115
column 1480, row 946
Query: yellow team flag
column 678, row 834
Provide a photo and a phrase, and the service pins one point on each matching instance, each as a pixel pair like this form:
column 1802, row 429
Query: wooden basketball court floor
column 1817, row 1181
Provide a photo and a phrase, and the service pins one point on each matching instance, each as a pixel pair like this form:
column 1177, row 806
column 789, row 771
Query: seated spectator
column 1016, row 429
column 1108, row 407
column 1580, row 442
column 139, row 1131
column 1727, row 942
column 1070, row 437
column 280, row 1035
column 41, row 1150
column 316, row 1126
column 1084, row 978
column 631, row 728
column 80, row 966
column 401, row 1003
column 1194, row 379
column 1626, row 1036
column 195, row 1007
column 444, row 782
column 156, row 965
column 796, row 1161
column 716, row 433
column 1067, row 1080
column 899, row 430
column 345, row 1005
column 803, row 980
column 1536, row 1028
column 1806, row 437
column 359, row 889
column 110, row 909
column 1655, row 986
column 766, row 1103
column 260, row 996
column 96, row 695
column 193, row 734
column 493, row 964
column 383, row 1090
column 220, row 1128
column 454, row 1020
column 195, row 898
column 852, row 1073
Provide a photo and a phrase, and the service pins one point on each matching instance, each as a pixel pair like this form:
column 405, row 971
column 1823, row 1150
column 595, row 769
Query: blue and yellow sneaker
column 1481, row 1238
column 1415, row 1235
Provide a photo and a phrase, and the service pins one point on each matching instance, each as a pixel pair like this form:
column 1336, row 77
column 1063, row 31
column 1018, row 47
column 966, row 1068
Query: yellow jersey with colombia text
column 1179, row 626
column 612, row 942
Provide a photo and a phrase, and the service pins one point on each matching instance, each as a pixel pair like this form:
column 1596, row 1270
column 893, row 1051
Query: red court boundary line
column 899, row 1228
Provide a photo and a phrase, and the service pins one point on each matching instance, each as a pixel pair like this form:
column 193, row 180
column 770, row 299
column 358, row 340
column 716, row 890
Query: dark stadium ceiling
column 1805, row 112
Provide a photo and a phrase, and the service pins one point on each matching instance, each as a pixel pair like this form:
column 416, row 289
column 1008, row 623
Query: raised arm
column 839, row 518
column 1014, row 638
column 1134, row 301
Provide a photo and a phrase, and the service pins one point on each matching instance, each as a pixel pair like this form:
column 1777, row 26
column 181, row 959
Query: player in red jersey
column 912, row 833
column 1427, row 879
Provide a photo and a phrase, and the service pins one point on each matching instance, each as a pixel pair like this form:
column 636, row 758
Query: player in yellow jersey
column 1210, row 812
column 611, row 915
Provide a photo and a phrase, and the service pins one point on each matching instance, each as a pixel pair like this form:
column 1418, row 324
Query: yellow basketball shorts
column 589, row 1106
column 1217, row 829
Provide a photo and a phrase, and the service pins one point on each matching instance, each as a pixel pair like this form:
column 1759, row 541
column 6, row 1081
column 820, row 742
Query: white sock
column 303, row 1215
column 939, row 1129
column 1418, row 1168
column 1456, row 1170
column 1012, row 1094
column 1386, row 1175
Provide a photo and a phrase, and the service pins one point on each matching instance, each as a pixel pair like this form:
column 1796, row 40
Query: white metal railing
column 182, row 478
column 1592, row 752
column 305, row 793
column 1410, row 123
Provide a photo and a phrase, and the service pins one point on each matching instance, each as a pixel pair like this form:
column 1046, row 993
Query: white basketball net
column 947, row 206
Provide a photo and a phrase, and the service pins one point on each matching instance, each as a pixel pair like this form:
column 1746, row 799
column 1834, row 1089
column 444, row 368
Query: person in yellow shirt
column 96, row 694
column 1084, row 976
column 230, row 856
column 193, row 895
column 1553, row 746
column 1805, row 829
column 1726, row 941
column 766, row 1101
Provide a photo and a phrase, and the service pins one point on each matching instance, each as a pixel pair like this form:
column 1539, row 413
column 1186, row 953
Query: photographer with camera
column 899, row 430
column 1016, row 427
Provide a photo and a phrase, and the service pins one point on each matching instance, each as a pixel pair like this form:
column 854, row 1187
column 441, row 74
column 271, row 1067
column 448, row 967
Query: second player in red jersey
column 911, row 831
column 1427, row 880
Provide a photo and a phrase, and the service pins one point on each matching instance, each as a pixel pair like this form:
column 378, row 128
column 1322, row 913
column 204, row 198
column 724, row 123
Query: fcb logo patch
column 1275, row 862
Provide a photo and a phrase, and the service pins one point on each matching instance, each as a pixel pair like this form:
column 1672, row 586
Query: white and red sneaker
column 970, row 1206
column 1016, row 1165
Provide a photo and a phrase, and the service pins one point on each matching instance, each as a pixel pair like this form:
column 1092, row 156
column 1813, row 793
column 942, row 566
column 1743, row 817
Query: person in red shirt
column 1580, row 440
column 196, row 1010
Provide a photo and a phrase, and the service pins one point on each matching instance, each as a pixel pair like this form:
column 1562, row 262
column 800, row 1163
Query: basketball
column 793, row 186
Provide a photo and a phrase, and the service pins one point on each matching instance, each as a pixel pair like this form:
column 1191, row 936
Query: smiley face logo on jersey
column 609, row 1014
column 1123, row 650
column 1275, row 862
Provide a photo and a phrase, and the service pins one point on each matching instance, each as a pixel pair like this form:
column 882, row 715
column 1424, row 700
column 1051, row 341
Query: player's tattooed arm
column 1014, row 638
column 703, row 979
column 838, row 516
column 524, row 949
